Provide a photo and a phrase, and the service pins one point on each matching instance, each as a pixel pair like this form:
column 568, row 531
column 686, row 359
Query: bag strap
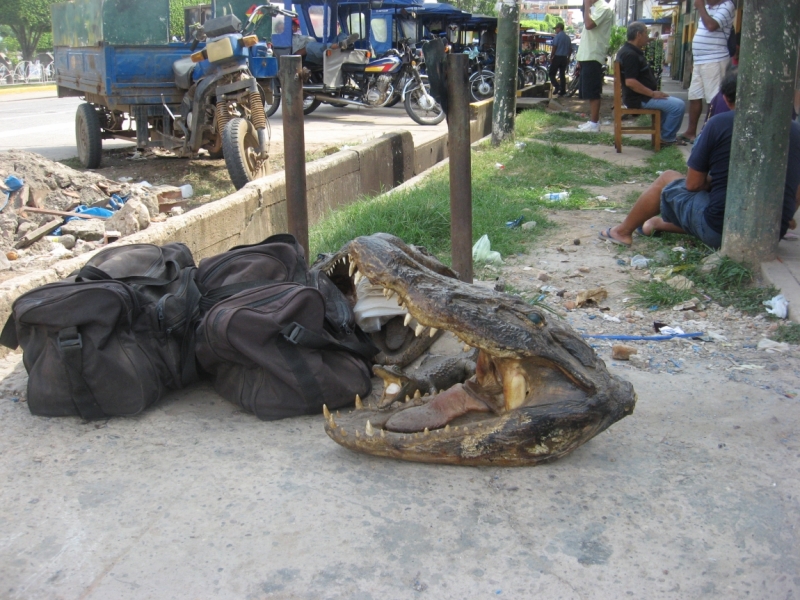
column 70, row 345
column 189, row 367
column 297, row 334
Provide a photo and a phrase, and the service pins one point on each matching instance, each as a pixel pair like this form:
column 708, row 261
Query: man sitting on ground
column 639, row 85
column 696, row 204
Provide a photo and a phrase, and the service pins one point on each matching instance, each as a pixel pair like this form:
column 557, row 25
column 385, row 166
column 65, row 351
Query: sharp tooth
column 352, row 269
column 434, row 391
column 433, row 331
column 447, row 428
column 325, row 412
column 426, row 432
column 416, row 393
column 420, row 328
column 466, row 348
column 357, row 277
column 383, row 433
column 370, row 431
column 358, row 435
column 337, row 414
column 407, row 319
column 343, row 432
column 384, row 291
column 389, row 294
column 408, row 398
column 359, row 404
column 332, row 423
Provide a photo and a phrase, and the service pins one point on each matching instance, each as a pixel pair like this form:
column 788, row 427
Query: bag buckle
column 70, row 339
column 292, row 332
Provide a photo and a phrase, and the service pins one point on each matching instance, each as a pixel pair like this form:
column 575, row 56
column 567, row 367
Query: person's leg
column 594, row 110
column 552, row 73
column 591, row 90
column 647, row 206
column 696, row 96
column 562, row 73
column 672, row 110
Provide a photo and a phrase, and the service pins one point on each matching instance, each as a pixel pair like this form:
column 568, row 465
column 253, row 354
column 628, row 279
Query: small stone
column 85, row 229
column 576, row 242
column 132, row 217
column 640, row 362
column 68, row 241
column 499, row 285
column 710, row 263
column 24, row 228
column 529, row 224
column 175, row 211
column 12, row 255
column 543, row 276
column 570, row 305
column 622, row 351
column 584, row 269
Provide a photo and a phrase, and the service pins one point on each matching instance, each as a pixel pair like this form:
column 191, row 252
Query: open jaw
column 531, row 391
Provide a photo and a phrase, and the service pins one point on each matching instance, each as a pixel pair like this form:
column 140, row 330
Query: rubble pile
column 38, row 224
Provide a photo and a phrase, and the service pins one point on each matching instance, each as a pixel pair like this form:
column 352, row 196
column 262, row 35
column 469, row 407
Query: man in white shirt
column 710, row 57
column 598, row 17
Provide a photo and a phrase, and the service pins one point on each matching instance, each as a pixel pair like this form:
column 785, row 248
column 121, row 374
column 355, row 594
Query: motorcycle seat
column 182, row 69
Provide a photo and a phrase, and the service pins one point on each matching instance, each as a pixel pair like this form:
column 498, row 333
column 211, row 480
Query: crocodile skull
column 538, row 390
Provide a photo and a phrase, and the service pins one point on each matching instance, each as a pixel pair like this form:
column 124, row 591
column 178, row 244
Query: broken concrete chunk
column 132, row 217
column 622, row 351
column 89, row 230
column 35, row 235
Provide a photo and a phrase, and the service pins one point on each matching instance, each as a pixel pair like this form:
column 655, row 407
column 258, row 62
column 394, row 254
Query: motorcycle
column 349, row 77
column 223, row 109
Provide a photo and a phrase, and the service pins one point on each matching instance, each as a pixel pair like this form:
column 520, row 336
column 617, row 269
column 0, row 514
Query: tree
column 28, row 20
column 476, row 7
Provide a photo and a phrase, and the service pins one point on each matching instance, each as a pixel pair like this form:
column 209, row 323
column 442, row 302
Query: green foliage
column 28, row 21
column 176, row 15
column 476, row 7
column 619, row 35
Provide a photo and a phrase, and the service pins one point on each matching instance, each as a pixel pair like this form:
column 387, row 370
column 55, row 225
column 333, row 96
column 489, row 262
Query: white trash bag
column 482, row 252
column 778, row 306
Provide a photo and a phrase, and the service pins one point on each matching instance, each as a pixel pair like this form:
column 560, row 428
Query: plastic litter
column 639, row 262
column 555, row 196
column 145, row 183
column 515, row 223
column 671, row 330
column 186, row 191
column 12, row 184
column 499, row 166
column 124, row 179
column 520, row 145
column 772, row 346
column 373, row 309
column 778, row 306
column 482, row 252
column 116, row 202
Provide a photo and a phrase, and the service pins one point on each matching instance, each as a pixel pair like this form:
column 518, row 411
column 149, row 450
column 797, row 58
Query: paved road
column 42, row 123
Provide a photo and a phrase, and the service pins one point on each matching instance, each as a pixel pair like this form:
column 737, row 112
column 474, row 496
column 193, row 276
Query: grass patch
column 590, row 139
column 728, row 283
column 789, row 333
column 73, row 163
column 422, row 215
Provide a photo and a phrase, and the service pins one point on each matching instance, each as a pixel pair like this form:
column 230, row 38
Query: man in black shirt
column 639, row 85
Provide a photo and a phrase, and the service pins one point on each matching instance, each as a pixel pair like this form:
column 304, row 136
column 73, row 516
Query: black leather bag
column 111, row 338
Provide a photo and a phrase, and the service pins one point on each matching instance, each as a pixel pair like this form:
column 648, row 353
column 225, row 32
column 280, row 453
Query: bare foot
column 437, row 413
column 620, row 237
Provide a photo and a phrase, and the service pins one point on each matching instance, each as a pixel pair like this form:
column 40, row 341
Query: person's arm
column 710, row 23
column 696, row 181
column 637, row 86
column 588, row 23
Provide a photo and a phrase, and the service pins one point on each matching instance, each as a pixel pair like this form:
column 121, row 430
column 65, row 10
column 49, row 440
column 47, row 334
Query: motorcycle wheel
column 393, row 101
column 418, row 106
column 541, row 76
column 310, row 104
column 269, row 109
column 574, row 85
column 481, row 85
column 88, row 136
column 240, row 147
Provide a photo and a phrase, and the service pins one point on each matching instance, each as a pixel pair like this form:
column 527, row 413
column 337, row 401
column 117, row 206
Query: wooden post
column 294, row 148
column 460, row 165
column 760, row 144
column 505, row 76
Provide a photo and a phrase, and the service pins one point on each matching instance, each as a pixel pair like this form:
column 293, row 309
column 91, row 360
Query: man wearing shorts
column 598, row 17
column 696, row 204
column 710, row 57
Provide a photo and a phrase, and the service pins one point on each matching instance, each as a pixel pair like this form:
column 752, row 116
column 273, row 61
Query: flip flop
column 606, row 235
column 677, row 142
column 688, row 140
column 641, row 232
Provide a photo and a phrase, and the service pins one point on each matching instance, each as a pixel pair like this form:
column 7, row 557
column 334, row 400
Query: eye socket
column 536, row 318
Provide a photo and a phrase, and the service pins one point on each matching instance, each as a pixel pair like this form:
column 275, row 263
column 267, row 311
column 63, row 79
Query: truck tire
column 88, row 136
column 240, row 148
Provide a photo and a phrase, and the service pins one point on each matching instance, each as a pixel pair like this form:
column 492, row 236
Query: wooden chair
column 655, row 127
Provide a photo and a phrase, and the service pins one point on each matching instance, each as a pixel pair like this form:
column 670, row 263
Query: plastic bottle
column 556, row 196
column 186, row 191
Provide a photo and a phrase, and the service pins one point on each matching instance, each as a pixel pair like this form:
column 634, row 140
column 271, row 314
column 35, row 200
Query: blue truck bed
column 120, row 76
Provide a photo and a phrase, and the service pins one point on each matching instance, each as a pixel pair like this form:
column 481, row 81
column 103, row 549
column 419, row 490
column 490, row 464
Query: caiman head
column 538, row 390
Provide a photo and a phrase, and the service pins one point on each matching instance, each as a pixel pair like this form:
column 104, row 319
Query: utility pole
column 505, row 77
column 760, row 145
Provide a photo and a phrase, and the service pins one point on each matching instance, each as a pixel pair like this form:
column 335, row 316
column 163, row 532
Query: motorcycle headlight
column 219, row 49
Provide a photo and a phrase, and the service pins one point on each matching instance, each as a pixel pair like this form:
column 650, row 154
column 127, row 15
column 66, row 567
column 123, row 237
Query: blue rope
column 651, row 338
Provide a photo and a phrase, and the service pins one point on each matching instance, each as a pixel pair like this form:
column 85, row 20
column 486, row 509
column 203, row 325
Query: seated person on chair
column 696, row 204
column 639, row 85
column 310, row 49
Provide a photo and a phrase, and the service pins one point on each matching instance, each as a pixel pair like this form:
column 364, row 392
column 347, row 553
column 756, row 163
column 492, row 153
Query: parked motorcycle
column 351, row 77
column 223, row 109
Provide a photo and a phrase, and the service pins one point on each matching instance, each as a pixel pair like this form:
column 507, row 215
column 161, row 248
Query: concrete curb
column 258, row 210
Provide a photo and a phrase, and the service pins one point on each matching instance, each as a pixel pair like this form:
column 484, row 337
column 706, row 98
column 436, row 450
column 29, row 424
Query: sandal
column 606, row 235
column 686, row 139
